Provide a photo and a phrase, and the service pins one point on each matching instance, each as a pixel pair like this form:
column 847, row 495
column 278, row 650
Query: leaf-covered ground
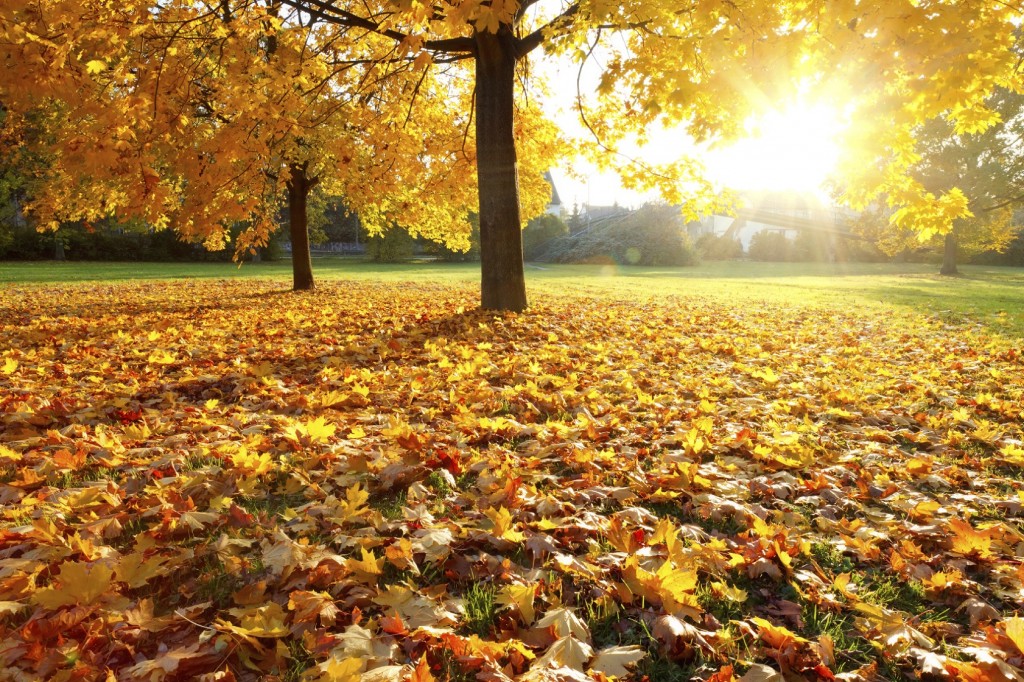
column 225, row 480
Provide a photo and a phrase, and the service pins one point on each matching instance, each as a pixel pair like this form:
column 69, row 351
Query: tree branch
column 531, row 42
column 326, row 11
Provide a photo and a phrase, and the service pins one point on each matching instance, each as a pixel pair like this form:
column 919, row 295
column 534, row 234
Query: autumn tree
column 988, row 167
column 204, row 117
column 703, row 66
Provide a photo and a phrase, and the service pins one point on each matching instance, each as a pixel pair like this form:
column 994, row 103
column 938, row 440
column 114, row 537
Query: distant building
column 554, row 206
column 785, row 212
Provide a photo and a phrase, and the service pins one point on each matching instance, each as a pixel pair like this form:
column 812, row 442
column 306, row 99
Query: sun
column 795, row 149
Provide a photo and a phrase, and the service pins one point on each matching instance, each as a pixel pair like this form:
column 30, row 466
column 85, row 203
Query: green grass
column 481, row 609
column 990, row 296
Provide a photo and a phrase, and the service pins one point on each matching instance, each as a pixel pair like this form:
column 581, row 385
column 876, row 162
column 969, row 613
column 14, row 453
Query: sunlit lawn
column 990, row 296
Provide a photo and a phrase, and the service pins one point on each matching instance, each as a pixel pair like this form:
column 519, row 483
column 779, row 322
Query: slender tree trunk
column 949, row 255
column 299, row 186
column 502, row 279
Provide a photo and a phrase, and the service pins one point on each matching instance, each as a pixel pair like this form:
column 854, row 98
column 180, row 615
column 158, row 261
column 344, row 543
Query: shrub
column 771, row 246
column 652, row 235
column 810, row 245
column 719, row 247
column 394, row 245
column 540, row 231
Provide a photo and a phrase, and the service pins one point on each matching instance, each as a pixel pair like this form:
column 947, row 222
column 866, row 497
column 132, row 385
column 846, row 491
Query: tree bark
column 299, row 186
column 949, row 256
column 502, row 278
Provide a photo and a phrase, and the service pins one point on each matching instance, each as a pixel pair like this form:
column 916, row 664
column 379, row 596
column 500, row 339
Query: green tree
column 987, row 166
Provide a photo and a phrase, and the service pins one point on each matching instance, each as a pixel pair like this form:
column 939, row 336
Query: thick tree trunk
column 502, row 279
column 949, row 255
column 299, row 185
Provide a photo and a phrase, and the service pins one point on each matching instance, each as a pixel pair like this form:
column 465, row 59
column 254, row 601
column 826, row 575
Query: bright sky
column 794, row 148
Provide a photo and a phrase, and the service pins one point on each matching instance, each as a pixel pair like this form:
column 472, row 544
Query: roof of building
column 555, row 199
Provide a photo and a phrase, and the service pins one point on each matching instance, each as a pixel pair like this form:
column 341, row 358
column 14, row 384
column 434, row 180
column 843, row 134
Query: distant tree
column 768, row 245
column 652, row 235
column 540, row 231
column 988, row 167
column 393, row 245
column 719, row 247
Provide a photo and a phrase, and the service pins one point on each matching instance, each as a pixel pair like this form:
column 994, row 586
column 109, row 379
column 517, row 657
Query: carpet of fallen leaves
column 227, row 481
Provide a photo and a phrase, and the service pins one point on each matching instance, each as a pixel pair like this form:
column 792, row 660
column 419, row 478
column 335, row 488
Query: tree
column 987, row 166
column 706, row 66
column 206, row 117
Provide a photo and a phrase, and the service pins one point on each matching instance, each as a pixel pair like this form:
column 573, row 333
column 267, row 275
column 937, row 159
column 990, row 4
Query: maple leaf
column 368, row 567
column 341, row 670
column 565, row 623
column 969, row 542
column 422, row 672
column 615, row 661
column 136, row 569
column 309, row 606
column 671, row 586
column 502, row 523
column 520, row 597
column 359, row 643
column 80, row 582
column 267, row 620
column 895, row 631
column 319, row 430
column 165, row 663
column 567, row 652
column 1015, row 631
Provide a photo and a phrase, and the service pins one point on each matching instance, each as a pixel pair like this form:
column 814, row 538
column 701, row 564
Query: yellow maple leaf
column 341, row 670
column 565, row 623
column 136, row 570
column 967, row 541
column 252, row 462
column 319, row 430
column 10, row 364
column 520, row 597
column 80, row 582
column 775, row 636
column 267, row 620
column 94, row 66
column 502, row 525
column 1015, row 631
column 368, row 568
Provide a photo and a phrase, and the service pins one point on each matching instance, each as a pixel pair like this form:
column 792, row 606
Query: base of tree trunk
column 949, row 268
column 299, row 185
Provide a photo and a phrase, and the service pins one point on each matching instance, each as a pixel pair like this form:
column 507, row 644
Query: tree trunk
column 502, row 279
column 299, row 185
column 949, row 255
column 58, row 247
